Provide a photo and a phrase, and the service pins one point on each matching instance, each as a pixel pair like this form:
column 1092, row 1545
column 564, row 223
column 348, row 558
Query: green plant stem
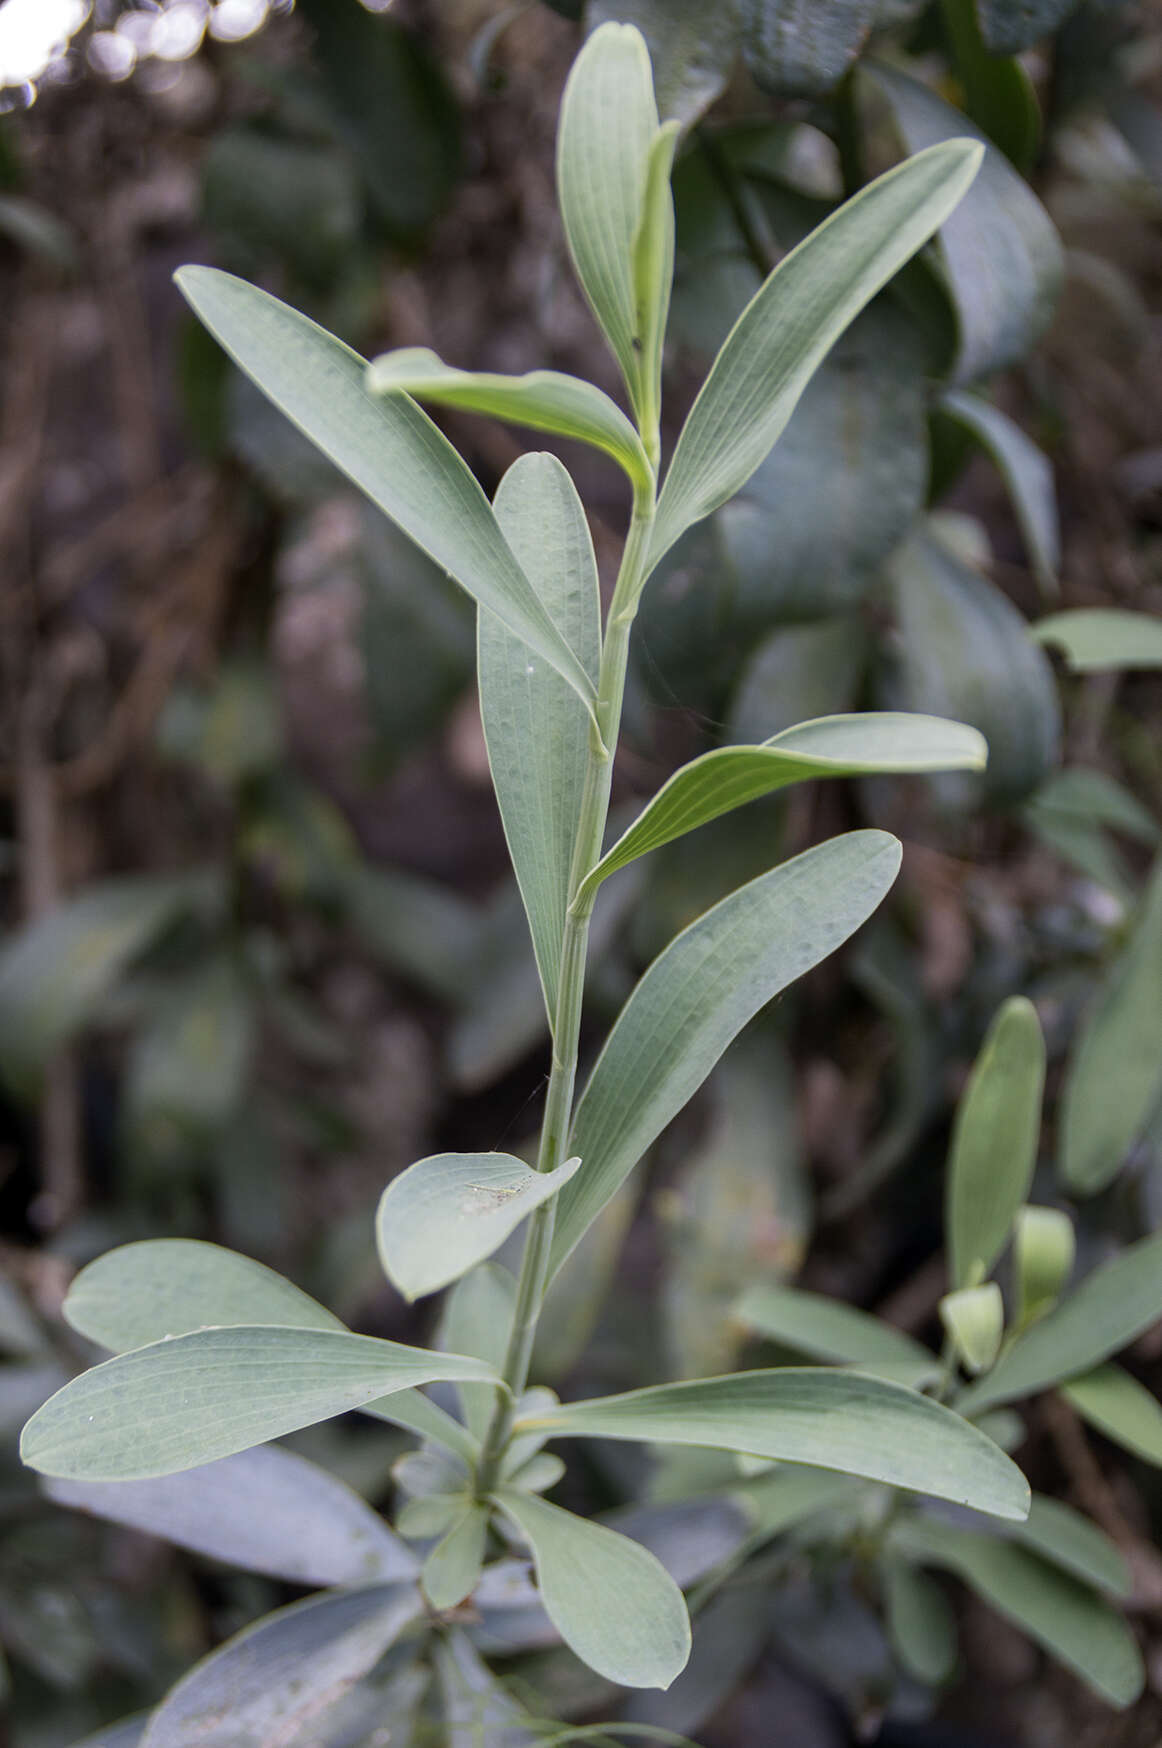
column 592, row 818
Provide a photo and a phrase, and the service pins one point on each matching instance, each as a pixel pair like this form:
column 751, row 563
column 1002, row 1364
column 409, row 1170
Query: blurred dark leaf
column 692, row 47
column 799, row 48
column 266, row 198
column 1008, row 26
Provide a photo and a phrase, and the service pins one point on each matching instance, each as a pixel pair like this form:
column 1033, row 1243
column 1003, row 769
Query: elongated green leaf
column 266, row 1683
column 445, row 1214
column 692, row 48
column 1112, row 1305
column 180, row 1403
column 535, row 728
column 1067, row 1539
column 543, row 400
column 920, row 1622
column 454, row 1564
column 1069, row 1619
column 828, row 1419
column 791, row 324
column 827, row 1329
column 653, row 279
column 1009, row 26
column 1003, row 257
column 612, row 1602
column 54, row 973
column 476, row 1319
column 801, row 48
column 476, row 1709
column 388, row 447
column 266, row 1510
column 699, row 994
column 994, row 1142
column 1103, row 637
column 609, row 121
column 1121, row 1408
column 833, row 746
column 1027, row 474
column 1115, row 1069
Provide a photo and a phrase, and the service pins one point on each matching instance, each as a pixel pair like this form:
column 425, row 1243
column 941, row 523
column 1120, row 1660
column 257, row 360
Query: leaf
column 999, row 94
column 828, row 1419
column 476, row 1320
column 1121, row 1408
column 729, row 1636
column 1073, row 1624
column 834, row 746
column 920, row 1622
column 994, row 1142
column 692, row 48
column 608, row 124
column 265, row 1510
column 1027, row 475
column 791, row 324
column 55, row 972
column 268, row 1681
column 653, row 279
column 699, row 994
column 1115, row 1067
column 443, row 1215
column 189, row 1065
column 1067, row 1539
column 1071, row 813
column 799, row 672
column 1002, row 255
column 691, row 1537
column 543, row 400
column 1111, row 1307
column 802, row 48
column 962, row 652
column 1093, row 638
column 535, row 729
column 612, row 1602
column 190, row 1400
column 477, row 1710
column 454, row 1564
column 389, row 448
column 827, row 1329
column 1009, row 26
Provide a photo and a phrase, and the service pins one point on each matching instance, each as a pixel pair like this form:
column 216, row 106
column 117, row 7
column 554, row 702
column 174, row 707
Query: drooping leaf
column 827, row 1329
column 187, row 1401
column 692, row 48
column 1075, row 811
column 962, row 653
column 828, row 1419
column 696, row 998
column 1103, row 637
column 1115, row 1068
column 454, row 1564
column 612, row 1602
column 1003, row 257
column 834, row 746
column 1121, row 1408
column 265, row 1510
column 1105, row 1313
column 920, row 1622
column 542, row 400
column 994, row 1142
column 388, row 447
column 1009, row 26
column 1067, row 1539
column 266, row 1683
column 802, row 48
column 535, row 728
column 1071, row 1621
column 443, row 1215
column 55, row 973
column 791, row 324
column 1025, row 471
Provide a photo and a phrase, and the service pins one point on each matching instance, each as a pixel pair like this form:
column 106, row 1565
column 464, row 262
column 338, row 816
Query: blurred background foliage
column 259, row 949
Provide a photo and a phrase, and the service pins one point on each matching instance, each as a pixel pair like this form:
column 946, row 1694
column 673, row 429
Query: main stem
column 594, row 812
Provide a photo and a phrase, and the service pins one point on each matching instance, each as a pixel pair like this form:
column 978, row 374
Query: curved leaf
column 389, row 448
column 1121, row 1408
column 454, row 1564
column 827, row 1329
column 699, row 994
column 611, row 1600
column 828, row 1419
column 791, row 324
column 833, row 746
column 1027, row 474
column 1067, row 1539
column 1009, row 26
column 802, row 48
column 445, row 1214
column 1103, row 637
column 692, row 48
column 920, row 1622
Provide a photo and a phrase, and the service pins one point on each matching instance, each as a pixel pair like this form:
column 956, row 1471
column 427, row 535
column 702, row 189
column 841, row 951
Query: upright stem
column 592, row 818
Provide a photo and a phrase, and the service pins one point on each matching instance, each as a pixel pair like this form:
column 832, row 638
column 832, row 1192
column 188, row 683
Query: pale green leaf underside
column 827, row 1419
column 699, row 994
column 610, row 1599
column 445, row 1214
column 542, row 400
column 1107, row 1311
column 1103, row 637
column 453, row 1567
column 1026, row 472
column 266, row 1684
column 994, row 1142
column 536, row 729
column 388, row 447
column 187, row 1401
column 827, row 1329
column 1121, row 1408
column 1069, row 1619
column 831, row 746
column 791, row 324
